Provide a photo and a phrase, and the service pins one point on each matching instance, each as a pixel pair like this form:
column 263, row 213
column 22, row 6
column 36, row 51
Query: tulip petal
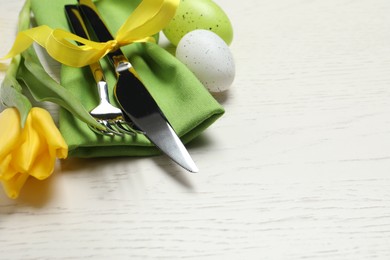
column 43, row 166
column 7, row 171
column 13, row 186
column 44, row 124
column 10, row 131
column 30, row 147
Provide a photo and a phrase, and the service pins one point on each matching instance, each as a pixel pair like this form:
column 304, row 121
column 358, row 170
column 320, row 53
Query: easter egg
column 198, row 14
column 209, row 58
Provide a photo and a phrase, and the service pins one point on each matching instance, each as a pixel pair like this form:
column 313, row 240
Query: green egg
column 198, row 14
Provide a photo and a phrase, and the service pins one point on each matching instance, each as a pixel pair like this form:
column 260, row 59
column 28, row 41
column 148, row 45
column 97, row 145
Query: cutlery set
column 138, row 112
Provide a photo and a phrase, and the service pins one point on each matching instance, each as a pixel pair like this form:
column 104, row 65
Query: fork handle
column 103, row 91
column 78, row 26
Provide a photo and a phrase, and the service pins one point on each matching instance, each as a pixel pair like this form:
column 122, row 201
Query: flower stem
column 10, row 89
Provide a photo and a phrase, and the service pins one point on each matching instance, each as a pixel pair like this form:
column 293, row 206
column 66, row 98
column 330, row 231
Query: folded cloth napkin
column 185, row 102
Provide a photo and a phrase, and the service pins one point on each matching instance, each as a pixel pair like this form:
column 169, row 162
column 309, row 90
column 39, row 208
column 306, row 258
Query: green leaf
column 45, row 88
column 24, row 16
column 11, row 97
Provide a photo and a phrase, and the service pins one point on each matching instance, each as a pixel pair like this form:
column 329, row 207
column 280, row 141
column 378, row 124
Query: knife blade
column 134, row 98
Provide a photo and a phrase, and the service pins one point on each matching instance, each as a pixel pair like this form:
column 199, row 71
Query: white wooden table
column 297, row 168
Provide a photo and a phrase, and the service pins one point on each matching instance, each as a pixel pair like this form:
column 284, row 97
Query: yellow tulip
column 31, row 150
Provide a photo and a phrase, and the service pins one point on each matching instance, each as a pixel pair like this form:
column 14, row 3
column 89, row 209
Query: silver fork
column 105, row 113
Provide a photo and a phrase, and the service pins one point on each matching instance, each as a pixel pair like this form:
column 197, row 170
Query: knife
column 134, row 98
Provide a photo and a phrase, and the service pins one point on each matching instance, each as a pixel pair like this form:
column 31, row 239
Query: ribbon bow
column 150, row 17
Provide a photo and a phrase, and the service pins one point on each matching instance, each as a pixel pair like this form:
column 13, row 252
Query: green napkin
column 185, row 102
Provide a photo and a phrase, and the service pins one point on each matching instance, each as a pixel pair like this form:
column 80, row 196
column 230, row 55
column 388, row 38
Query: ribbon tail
column 24, row 39
column 150, row 17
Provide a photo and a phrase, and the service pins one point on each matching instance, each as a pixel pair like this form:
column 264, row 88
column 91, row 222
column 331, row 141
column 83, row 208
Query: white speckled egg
column 209, row 58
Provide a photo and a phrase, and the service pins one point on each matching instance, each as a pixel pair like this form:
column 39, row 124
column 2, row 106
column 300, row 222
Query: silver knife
column 134, row 98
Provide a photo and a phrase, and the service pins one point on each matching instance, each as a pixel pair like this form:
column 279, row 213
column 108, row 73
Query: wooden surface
column 298, row 167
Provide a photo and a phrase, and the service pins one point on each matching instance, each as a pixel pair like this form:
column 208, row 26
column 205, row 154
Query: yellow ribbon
column 150, row 17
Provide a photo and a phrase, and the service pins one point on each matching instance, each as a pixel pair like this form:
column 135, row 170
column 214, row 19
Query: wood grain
column 298, row 167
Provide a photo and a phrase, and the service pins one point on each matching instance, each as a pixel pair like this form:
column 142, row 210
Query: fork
column 111, row 117
column 105, row 113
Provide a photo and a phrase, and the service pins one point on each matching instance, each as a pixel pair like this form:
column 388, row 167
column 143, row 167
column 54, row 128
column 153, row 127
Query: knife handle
column 102, row 33
column 89, row 9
